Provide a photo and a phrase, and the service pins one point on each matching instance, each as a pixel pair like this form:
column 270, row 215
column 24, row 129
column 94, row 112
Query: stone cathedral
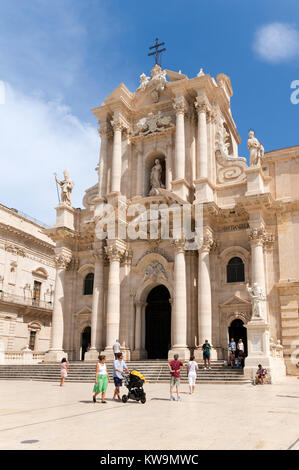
column 174, row 142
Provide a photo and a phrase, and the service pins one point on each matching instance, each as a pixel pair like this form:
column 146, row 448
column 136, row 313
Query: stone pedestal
column 55, row 356
column 255, row 181
column 91, row 356
column 258, row 341
column 203, row 190
column 181, row 188
column 65, row 216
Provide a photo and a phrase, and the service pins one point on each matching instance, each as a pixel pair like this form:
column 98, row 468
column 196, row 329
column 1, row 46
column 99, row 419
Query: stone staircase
column 153, row 370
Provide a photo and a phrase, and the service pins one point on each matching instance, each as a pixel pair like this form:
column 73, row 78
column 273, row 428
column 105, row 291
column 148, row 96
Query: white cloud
column 38, row 138
column 276, row 42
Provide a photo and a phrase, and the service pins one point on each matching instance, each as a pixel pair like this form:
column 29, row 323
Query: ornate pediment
column 235, row 301
column 83, row 312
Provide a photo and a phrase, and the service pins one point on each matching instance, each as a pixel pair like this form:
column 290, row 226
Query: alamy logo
column 159, row 221
column 295, row 95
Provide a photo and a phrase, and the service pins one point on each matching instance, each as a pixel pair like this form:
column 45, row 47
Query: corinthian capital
column 208, row 244
column 62, row 260
column 257, row 236
column 115, row 252
column 104, row 129
column 202, row 104
column 180, row 105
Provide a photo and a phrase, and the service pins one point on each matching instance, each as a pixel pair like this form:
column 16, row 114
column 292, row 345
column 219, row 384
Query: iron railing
column 27, row 301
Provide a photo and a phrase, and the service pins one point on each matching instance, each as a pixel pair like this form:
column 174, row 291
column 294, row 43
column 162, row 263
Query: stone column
column 202, row 137
column 179, row 313
column 116, row 156
column 56, row 353
column 114, row 252
column 204, row 191
column 256, row 239
column 102, row 170
column 205, row 295
column 180, row 185
column 180, row 108
column 97, row 307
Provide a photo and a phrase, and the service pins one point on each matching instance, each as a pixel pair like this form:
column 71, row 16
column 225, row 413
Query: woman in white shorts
column 192, row 368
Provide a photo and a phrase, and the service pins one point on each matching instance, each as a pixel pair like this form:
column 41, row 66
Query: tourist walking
column 206, row 347
column 231, row 348
column 240, row 353
column 102, row 379
column 119, row 367
column 175, row 368
column 63, row 371
column 192, row 368
column 116, row 348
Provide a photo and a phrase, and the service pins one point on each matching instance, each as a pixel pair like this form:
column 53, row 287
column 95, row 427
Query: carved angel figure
column 143, row 81
column 258, row 296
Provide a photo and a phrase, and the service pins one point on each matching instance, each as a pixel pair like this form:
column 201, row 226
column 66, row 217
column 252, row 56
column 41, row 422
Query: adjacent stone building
column 174, row 143
column 27, row 282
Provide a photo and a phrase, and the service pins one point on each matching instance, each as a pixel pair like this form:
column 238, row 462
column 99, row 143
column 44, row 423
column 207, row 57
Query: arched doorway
column 158, row 323
column 238, row 331
column 85, row 341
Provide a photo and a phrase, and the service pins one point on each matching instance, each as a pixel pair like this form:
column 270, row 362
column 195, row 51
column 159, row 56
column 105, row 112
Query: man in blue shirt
column 119, row 367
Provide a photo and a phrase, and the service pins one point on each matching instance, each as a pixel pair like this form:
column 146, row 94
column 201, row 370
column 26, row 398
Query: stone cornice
column 5, row 228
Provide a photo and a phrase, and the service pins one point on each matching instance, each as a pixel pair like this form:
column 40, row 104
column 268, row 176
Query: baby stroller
column 134, row 383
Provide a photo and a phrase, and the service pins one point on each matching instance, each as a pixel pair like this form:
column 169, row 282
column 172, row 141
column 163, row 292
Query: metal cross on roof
column 157, row 52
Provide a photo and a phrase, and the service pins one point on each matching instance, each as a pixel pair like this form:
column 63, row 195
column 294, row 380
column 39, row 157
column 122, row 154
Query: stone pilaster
column 114, row 251
column 179, row 315
column 97, row 306
column 138, row 352
column 56, row 352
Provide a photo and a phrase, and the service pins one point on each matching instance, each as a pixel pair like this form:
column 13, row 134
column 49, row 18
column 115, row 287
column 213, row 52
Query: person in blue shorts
column 206, row 347
column 119, row 367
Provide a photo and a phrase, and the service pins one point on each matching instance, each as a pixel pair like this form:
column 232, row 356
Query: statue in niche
column 256, row 150
column 66, row 188
column 257, row 295
column 156, row 178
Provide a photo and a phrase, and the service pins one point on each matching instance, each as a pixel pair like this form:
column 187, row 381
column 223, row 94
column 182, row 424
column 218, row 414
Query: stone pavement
column 215, row 417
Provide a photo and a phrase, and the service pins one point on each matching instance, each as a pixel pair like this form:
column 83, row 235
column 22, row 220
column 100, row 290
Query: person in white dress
column 192, row 368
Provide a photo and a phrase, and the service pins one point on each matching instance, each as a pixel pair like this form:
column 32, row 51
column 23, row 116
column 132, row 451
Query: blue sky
column 59, row 59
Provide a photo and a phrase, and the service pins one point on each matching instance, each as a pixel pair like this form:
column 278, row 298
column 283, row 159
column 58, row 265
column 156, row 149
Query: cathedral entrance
column 238, row 331
column 85, row 341
column 158, row 323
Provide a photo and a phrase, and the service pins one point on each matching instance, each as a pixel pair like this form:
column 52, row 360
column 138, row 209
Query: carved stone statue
column 66, row 188
column 156, row 178
column 256, row 149
column 257, row 295
column 143, row 81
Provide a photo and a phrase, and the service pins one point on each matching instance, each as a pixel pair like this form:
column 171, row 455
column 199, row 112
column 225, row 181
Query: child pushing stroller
column 134, row 383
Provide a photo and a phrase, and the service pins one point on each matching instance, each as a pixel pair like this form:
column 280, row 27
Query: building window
column 32, row 340
column 36, row 293
column 88, row 284
column 235, row 270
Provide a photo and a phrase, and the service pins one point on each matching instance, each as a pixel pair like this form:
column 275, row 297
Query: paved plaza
column 215, row 417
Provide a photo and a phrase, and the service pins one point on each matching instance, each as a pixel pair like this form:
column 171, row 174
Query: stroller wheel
column 124, row 398
column 143, row 400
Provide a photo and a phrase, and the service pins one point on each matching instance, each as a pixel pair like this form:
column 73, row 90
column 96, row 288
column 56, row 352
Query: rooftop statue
column 66, row 188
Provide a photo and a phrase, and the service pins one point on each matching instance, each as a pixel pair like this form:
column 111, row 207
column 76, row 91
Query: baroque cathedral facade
column 174, row 142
